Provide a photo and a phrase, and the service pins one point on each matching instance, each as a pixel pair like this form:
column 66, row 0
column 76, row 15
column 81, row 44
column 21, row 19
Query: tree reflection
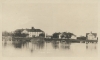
column 19, row 43
column 37, row 45
column 5, row 43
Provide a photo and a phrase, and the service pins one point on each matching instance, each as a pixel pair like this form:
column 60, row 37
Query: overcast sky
column 78, row 18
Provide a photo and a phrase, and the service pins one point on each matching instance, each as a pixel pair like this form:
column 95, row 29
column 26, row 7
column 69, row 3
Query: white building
column 73, row 37
column 60, row 36
column 31, row 32
column 91, row 36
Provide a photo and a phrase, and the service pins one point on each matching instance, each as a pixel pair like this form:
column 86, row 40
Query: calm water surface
column 48, row 49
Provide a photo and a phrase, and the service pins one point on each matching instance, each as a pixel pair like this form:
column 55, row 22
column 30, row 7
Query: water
column 48, row 49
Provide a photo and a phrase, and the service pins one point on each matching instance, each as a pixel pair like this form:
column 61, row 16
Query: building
column 73, row 37
column 60, row 36
column 91, row 36
column 81, row 38
column 65, row 35
column 31, row 32
column 48, row 36
column 56, row 35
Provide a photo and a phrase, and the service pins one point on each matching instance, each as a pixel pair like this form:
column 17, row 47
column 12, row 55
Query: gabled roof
column 30, row 30
column 34, row 30
column 95, row 34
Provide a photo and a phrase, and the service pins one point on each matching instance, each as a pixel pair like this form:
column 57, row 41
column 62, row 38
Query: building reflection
column 55, row 44
column 65, row 44
column 61, row 44
column 42, row 45
column 91, row 46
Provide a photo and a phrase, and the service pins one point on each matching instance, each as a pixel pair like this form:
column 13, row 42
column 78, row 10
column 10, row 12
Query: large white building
column 31, row 32
column 91, row 36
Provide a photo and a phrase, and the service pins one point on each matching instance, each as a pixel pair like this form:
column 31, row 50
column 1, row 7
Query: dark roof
column 34, row 30
column 95, row 34
column 30, row 30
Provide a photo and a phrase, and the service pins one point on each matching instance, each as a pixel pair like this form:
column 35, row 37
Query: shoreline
column 50, row 39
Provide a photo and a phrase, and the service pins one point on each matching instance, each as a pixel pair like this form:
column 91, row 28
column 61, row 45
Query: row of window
column 32, row 34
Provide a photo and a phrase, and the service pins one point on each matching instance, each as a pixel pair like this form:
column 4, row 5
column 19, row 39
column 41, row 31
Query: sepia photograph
column 59, row 28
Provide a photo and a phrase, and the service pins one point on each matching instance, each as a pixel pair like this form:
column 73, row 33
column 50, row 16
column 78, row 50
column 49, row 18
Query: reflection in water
column 37, row 45
column 91, row 46
column 65, row 44
column 53, row 46
column 5, row 43
column 17, row 44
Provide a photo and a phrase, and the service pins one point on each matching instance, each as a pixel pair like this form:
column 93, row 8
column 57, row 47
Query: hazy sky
column 78, row 18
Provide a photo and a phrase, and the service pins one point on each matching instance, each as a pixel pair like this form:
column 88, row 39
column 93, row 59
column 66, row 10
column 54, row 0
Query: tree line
column 18, row 33
column 63, row 35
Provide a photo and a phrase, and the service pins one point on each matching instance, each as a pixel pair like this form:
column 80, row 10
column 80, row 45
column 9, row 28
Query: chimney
column 91, row 32
column 32, row 27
